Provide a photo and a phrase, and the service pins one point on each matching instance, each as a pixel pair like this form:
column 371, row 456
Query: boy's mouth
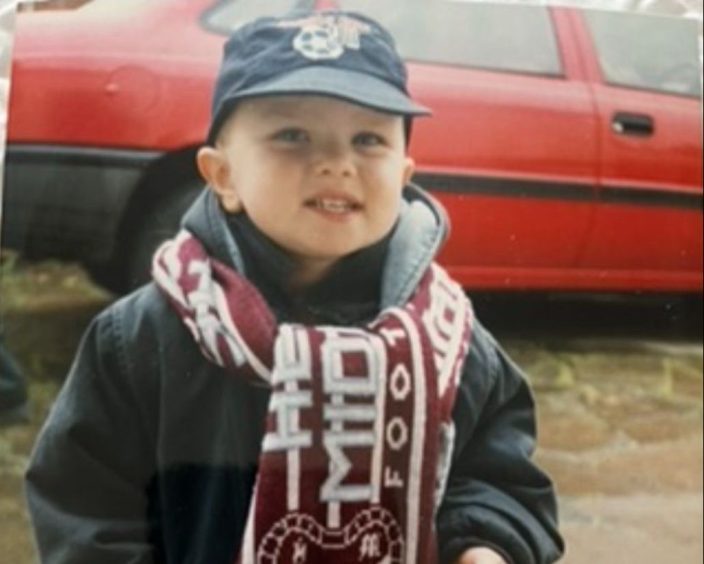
column 333, row 205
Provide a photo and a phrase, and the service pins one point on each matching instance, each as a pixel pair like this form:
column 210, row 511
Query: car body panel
column 139, row 90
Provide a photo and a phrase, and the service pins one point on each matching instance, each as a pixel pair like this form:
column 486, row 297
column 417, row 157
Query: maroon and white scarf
column 359, row 431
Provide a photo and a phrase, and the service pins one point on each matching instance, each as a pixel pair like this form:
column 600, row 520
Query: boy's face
column 321, row 177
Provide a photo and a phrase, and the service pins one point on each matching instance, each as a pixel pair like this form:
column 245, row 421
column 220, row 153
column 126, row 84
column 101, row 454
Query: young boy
column 301, row 383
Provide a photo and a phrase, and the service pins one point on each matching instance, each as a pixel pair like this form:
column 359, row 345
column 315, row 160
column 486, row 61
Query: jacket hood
column 419, row 234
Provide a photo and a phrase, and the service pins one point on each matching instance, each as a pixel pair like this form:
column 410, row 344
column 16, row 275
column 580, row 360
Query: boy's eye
column 367, row 139
column 291, row 135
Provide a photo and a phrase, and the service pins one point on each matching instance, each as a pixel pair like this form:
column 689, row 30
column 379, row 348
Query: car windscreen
column 504, row 37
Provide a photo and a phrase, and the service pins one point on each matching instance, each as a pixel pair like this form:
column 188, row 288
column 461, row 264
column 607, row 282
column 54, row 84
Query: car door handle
column 624, row 123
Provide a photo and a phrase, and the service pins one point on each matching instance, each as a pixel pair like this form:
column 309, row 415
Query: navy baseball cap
column 341, row 54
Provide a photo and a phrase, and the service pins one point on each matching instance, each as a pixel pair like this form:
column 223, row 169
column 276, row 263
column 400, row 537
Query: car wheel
column 159, row 224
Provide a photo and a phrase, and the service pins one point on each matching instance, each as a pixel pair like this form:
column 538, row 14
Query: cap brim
column 352, row 86
column 356, row 87
column 348, row 85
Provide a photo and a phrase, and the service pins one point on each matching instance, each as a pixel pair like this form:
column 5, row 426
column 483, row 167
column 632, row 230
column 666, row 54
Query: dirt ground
column 620, row 422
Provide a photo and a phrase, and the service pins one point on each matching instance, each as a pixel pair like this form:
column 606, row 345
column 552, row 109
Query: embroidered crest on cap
column 325, row 36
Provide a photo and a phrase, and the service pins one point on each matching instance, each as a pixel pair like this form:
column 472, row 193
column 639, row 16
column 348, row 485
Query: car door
column 510, row 150
column 647, row 86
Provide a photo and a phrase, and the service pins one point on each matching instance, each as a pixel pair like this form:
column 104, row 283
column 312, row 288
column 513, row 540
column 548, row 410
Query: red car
column 566, row 144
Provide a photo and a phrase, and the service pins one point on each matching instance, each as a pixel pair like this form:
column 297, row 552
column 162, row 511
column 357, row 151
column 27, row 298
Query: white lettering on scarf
column 204, row 310
column 339, row 385
column 444, row 322
column 293, row 393
column 292, row 367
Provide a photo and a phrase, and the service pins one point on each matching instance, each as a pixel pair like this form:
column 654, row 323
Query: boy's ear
column 409, row 167
column 215, row 170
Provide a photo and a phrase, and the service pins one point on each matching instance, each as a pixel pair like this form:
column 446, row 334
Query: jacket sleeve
column 495, row 494
column 87, row 478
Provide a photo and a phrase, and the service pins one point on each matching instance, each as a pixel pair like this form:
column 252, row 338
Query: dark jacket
column 150, row 451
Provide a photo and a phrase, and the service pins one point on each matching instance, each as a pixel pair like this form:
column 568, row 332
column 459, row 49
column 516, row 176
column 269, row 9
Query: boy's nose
column 334, row 161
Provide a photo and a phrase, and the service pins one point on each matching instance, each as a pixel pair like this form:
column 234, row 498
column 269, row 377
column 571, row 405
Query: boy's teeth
column 334, row 206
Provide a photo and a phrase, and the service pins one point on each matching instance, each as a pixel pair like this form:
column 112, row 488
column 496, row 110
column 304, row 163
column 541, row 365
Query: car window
column 502, row 37
column 505, row 37
column 227, row 15
column 647, row 52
